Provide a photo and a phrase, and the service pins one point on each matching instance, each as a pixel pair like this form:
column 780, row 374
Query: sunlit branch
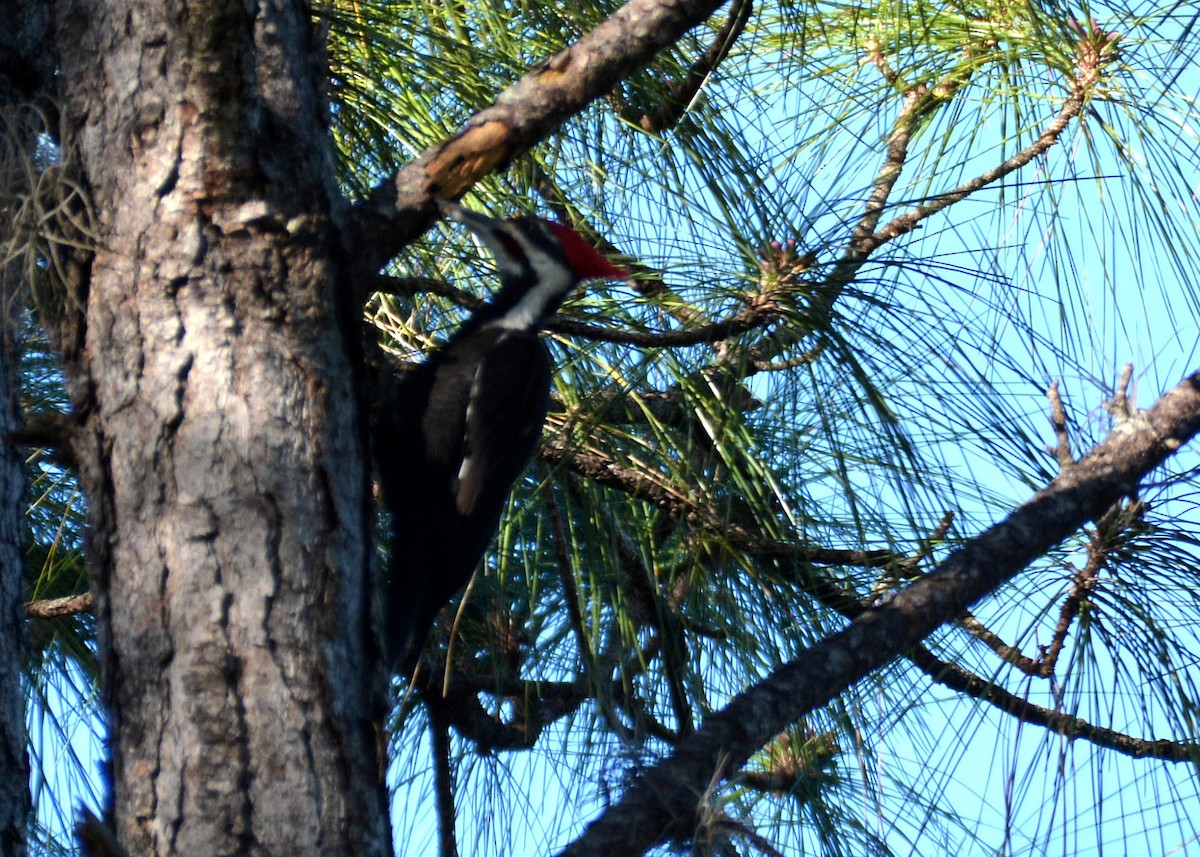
column 909, row 221
column 523, row 115
column 1010, row 654
column 866, row 241
column 52, row 608
column 897, row 153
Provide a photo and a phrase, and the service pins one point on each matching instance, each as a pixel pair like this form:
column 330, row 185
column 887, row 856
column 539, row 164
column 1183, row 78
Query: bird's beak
column 478, row 223
column 490, row 231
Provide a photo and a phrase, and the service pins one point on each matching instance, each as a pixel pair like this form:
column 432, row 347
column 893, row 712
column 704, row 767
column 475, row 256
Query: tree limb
column 50, row 608
column 443, row 774
column 523, row 115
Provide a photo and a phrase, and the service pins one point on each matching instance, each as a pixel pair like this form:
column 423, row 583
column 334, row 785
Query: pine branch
column 1059, row 722
column 52, row 608
column 661, row 805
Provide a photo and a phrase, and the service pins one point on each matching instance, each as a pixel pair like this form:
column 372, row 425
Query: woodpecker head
column 539, row 262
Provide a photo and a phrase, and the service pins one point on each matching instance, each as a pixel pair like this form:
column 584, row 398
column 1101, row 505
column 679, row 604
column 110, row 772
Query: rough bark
column 218, row 436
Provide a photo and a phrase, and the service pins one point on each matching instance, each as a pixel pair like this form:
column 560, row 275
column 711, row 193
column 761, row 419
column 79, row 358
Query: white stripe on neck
column 530, row 312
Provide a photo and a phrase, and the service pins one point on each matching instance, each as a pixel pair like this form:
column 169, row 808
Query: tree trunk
column 14, row 761
column 220, row 441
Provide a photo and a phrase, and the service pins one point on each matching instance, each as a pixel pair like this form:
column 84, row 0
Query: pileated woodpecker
column 461, row 427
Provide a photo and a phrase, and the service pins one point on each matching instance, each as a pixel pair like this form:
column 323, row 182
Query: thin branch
column 1100, row 544
column 746, row 319
column 956, row 678
column 865, row 241
column 412, row 286
column 51, row 429
column 909, row 221
column 52, row 608
column 643, row 485
column 624, row 693
column 443, row 775
column 638, row 407
column 1011, row 655
column 680, row 99
column 535, row 705
column 918, row 103
column 733, row 828
column 915, row 104
column 754, row 315
column 1099, row 547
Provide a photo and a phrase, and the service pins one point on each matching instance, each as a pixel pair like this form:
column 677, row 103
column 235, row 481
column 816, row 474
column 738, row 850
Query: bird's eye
column 512, row 247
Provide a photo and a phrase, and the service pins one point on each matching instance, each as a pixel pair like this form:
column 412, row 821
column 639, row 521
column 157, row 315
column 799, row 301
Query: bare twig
column 1081, row 587
column 1069, row 726
column 1058, row 419
column 909, row 221
column 52, row 608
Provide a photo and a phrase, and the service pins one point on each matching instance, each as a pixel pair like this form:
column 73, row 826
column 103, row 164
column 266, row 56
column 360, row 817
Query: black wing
column 505, row 413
